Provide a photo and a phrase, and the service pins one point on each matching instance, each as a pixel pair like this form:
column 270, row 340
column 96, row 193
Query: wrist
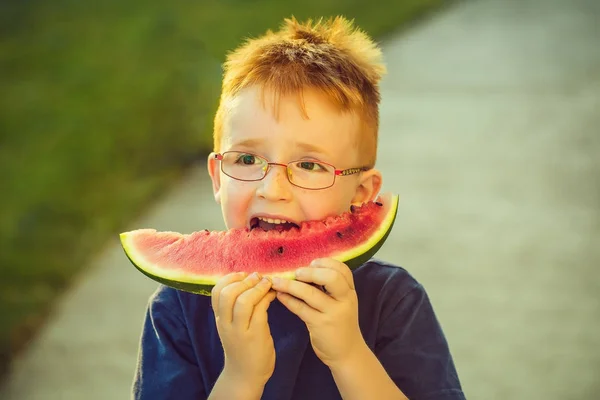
column 242, row 381
column 362, row 376
column 353, row 358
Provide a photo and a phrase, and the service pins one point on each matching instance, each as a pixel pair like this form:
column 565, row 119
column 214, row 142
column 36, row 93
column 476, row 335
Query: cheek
column 324, row 204
column 235, row 200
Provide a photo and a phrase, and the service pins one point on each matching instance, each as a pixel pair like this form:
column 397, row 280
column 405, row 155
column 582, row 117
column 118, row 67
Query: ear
column 368, row 187
column 215, row 176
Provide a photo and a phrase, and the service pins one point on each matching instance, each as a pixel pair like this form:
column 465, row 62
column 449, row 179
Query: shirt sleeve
column 166, row 368
column 413, row 349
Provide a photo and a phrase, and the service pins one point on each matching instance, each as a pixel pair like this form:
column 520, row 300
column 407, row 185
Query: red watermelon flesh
column 194, row 262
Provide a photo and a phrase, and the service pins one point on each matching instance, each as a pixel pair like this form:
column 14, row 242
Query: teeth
column 273, row 221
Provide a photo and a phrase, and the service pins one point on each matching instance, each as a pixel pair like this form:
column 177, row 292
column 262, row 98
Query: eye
column 246, row 159
column 311, row 166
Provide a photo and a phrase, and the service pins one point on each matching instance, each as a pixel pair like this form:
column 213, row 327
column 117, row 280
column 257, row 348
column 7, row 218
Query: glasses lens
column 243, row 166
column 311, row 174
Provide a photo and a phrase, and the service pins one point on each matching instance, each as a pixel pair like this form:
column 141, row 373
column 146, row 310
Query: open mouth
column 269, row 224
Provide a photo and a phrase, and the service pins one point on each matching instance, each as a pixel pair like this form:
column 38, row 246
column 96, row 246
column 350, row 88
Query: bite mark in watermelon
column 194, row 262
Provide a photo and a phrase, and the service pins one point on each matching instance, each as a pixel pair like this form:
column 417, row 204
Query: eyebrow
column 303, row 146
column 248, row 143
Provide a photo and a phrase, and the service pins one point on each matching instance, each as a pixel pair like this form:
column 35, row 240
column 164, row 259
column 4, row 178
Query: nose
column 275, row 185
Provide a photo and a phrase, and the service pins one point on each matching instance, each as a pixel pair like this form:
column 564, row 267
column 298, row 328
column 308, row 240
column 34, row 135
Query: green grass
column 102, row 107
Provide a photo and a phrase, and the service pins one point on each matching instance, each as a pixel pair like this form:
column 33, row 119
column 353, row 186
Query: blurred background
column 489, row 132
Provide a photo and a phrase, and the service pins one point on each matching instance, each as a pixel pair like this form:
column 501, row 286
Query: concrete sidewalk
column 490, row 132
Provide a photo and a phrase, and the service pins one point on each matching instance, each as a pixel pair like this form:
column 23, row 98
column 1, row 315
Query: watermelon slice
column 194, row 262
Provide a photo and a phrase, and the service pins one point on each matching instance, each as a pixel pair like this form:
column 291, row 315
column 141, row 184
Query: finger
column 334, row 282
column 259, row 315
column 306, row 313
column 221, row 283
column 303, row 291
column 245, row 303
column 336, row 265
column 230, row 293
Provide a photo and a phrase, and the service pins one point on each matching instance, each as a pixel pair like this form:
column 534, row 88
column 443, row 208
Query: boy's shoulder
column 379, row 278
column 177, row 302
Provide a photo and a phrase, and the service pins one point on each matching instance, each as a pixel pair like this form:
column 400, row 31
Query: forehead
column 291, row 122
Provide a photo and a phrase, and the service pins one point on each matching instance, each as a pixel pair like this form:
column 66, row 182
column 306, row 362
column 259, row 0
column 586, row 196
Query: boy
column 296, row 105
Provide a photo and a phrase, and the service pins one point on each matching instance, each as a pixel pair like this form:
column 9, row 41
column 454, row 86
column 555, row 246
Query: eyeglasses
column 307, row 174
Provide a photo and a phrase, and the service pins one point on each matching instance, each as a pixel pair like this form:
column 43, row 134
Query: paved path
column 491, row 134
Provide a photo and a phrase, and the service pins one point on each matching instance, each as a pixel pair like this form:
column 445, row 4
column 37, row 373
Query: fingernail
column 255, row 275
column 265, row 279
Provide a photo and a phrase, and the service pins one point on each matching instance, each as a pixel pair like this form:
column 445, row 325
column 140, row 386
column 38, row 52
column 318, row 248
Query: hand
column 332, row 316
column 240, row 306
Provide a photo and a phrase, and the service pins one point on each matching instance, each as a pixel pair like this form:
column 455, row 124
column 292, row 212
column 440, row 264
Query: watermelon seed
column 378, row 203
column 280, row 250
column 339, row 234
column 352, row 209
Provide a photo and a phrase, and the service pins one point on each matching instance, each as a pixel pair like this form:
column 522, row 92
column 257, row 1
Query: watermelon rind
column 357, row 256
column 203, row 285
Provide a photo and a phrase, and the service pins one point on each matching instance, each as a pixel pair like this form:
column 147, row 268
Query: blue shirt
column 181, row 355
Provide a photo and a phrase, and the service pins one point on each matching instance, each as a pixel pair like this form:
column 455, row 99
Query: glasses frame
column 337, row 172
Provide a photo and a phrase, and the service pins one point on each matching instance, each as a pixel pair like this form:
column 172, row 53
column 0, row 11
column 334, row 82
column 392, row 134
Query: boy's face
column 327, row 135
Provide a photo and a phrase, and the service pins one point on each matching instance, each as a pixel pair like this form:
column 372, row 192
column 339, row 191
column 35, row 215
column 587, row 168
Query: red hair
column 332, row 56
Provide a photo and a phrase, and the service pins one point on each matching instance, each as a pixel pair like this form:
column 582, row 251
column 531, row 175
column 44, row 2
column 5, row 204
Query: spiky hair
column 332, row 56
